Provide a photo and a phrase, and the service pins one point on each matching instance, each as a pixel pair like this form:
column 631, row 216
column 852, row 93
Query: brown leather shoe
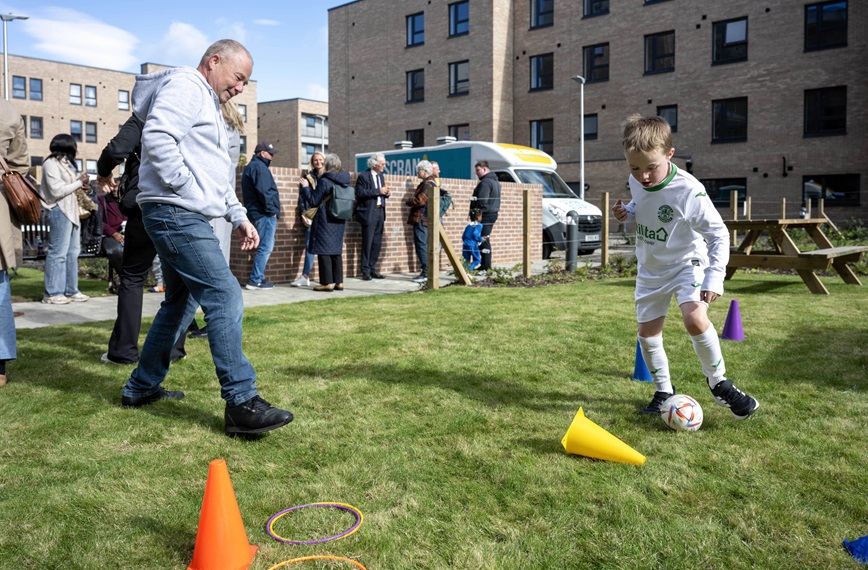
column 339, row 287
column 2, row 379
column 327, row 288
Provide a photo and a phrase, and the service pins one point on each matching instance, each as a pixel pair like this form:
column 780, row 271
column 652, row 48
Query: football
column 681, row 413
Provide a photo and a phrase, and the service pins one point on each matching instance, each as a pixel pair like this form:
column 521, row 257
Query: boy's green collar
column 672, row 171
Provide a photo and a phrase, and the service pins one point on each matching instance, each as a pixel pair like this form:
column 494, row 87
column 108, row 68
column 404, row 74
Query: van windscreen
column 553, row 185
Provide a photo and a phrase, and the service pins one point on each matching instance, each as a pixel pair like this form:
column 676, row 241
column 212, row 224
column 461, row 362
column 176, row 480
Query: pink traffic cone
column 732, row 328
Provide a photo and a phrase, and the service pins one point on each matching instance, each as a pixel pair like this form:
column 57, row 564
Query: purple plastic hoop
column 344, row 507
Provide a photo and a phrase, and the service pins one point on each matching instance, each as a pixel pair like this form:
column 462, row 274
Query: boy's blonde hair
column 646, row 134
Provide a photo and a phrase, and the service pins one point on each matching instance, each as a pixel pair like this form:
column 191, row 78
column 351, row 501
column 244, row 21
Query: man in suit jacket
column 371, row 194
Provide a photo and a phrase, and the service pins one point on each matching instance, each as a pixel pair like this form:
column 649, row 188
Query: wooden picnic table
column 786, row 254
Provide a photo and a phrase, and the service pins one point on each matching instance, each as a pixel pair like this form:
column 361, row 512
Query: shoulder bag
column 22, row 195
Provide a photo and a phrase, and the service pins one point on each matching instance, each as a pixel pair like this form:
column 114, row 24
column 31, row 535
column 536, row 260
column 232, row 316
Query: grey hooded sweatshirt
column 185, row 145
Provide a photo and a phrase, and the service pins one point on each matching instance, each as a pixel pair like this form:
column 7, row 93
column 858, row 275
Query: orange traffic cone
column 587, row 438
column 221, row 542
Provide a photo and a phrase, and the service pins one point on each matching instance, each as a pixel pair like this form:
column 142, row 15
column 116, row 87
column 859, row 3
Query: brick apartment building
column 765, row 97
column 88, row 102
column 296, row 127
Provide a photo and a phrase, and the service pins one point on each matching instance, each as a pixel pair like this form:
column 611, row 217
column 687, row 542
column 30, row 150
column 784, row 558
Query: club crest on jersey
column 665, row 214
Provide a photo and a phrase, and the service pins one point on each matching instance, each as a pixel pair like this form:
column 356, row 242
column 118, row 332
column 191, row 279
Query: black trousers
column 138, row 256
column 331, row 269
column 372, row 241
column 485, row 249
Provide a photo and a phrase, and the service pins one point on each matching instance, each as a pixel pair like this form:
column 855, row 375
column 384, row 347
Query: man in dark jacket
column 138, row 251
column 262, row 200
column 486, row 197
column 371, row 194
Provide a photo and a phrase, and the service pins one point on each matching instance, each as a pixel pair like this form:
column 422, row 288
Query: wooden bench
column 838, row 258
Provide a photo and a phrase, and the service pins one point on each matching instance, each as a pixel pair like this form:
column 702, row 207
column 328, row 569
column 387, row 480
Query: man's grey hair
column 224, row 47
column 375, row 158
column 425, row 166
column 332, row 163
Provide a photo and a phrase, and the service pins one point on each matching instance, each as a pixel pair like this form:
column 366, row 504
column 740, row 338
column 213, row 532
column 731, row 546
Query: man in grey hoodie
column 184, row 182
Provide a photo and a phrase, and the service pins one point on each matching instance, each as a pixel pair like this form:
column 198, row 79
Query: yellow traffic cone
column 587, row 438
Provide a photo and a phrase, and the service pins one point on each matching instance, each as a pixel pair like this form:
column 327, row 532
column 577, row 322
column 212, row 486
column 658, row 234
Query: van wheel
column 547, row 250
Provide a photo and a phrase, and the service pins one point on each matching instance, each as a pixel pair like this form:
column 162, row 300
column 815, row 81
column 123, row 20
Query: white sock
column 707, row 348
column 657, row 362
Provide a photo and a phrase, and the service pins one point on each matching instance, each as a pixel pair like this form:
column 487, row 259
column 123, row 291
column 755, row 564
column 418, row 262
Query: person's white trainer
column 78, row 298
column 56, row 300
column 301, row 282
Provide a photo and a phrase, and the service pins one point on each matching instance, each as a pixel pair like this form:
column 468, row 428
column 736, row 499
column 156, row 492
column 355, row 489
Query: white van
column 511, row 163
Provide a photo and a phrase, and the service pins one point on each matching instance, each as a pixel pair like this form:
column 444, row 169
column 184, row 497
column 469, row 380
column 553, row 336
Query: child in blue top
column 472, row 237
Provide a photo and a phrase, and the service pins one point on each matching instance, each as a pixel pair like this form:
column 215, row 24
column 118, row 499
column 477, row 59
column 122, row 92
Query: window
column 242, row 110
column 78, row 165
column 90, row 96
column 720, row 190
column 542, row 71
column 596, row 59
column 542, row 135
column 836, row 190
column 596, row 7
column 416, row 29
column 416, row 136
column 35, row 160
column 243, row 144
column 825, row 25
column 35, row 89
column 730, row 41
column 460, row 132
column 542, row 13
column 670, row 113
column 826, row 111
column 459, row 78
column 36, row 127
column 415, row 86
column 75, row 130
column 310, row 122
column 660, row 52
column 729, row 120
column 91, row 167
column 74, row 94
column 459, row 19
column 123, row 100
column 19, row 87
column 90, row 132
column 591, row 126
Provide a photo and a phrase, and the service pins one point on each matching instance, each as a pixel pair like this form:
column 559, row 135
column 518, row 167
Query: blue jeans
column 61, row 259
column 265, row 226
column 308, row 256
column 420, row 239
column 7, row 319
column 196, row 273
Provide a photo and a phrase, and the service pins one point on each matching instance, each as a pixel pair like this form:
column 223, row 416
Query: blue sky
column 288, row 39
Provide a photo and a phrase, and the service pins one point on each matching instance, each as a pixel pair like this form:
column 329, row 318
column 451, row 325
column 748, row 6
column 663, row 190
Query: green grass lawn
column 440, row 416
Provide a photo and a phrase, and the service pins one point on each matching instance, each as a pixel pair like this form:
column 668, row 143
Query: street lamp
column 7, row 18
column 322, row 133
column 581, row 81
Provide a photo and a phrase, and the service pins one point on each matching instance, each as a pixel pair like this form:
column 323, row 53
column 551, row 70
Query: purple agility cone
column 732, row 328
column 640, row 370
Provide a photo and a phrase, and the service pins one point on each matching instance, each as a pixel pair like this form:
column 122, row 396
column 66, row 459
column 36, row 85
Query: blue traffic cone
column 640, row 371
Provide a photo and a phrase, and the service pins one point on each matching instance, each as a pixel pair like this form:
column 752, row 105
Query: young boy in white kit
column 682, row 248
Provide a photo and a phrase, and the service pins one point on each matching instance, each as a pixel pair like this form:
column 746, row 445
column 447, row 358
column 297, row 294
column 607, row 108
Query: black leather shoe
column 366, row 276
column 376, row 275
column 199, row 333
column 161, row 394
column 255, row 416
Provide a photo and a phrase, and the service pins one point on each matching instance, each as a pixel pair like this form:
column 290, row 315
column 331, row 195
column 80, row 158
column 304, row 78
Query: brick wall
column 398, row 254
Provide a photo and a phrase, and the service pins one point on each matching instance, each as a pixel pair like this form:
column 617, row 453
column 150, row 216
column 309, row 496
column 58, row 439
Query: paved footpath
column 33, row 315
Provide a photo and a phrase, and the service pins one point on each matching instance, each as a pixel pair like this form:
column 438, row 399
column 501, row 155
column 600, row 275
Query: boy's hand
column 619, row 211
column 708, row 296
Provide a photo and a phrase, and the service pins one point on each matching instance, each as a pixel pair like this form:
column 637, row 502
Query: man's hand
column 249, row 236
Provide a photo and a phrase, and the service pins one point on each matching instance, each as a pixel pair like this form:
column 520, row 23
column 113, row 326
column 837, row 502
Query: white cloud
column 232, row 29
column 182, row 44
column 264, row 22
column 317, row 92
column 70, row 36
